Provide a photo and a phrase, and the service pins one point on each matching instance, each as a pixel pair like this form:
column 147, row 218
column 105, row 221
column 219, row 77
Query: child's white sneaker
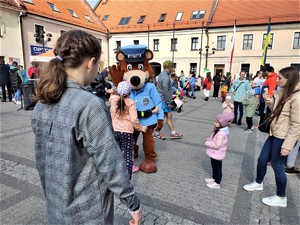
column 254, row 186
column 213, row 185
column 275, row 201
column 209, row 180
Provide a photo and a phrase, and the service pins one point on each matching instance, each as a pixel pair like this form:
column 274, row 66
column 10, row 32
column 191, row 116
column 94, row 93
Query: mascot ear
column 120, row 56
column 149, row 54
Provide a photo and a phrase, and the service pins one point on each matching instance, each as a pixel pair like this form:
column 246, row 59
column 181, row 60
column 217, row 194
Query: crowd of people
column 71, row 123
column 11, row 78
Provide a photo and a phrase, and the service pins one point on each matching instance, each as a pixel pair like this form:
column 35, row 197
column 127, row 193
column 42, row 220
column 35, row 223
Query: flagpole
column 230, row 64
column 266, row 45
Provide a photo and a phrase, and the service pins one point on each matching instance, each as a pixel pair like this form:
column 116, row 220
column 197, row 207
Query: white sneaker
column 18, row 102
column 275, row 201
column 209, row 180
column 213, row 185
column 254, row 187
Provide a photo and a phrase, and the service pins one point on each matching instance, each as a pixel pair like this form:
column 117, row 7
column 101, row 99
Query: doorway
column 219, row 69
column 156, row 69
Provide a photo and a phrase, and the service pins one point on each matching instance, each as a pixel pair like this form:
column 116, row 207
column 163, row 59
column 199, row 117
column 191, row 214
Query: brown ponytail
column 72, row 48
column 121, row 106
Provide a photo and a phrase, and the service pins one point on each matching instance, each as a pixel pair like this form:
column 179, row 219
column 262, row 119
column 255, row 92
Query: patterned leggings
column 125, row 142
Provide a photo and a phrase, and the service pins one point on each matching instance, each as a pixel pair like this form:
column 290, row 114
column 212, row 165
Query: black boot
column 234, row 120
column 239, row 122
column 206, row 99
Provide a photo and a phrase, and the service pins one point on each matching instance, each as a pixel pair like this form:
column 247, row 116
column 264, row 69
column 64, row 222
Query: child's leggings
column 125, row 142
column 217, row 170
column 249, row 122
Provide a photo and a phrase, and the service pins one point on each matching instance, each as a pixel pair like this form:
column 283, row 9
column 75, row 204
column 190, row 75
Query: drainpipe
column 22, row 14
column 108, row 37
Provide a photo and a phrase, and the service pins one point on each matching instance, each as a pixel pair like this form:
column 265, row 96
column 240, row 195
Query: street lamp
column 207, row 54
column 200, row 55
column 40, row 37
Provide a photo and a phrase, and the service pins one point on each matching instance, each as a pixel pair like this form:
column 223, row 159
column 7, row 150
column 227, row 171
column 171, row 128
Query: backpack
column 14, row 77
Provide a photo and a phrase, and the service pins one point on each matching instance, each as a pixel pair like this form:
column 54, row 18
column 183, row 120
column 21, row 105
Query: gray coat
column 164, row 86
column 79, row 162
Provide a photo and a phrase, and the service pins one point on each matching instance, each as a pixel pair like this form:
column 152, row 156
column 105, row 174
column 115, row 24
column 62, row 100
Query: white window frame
column 263, row 43
column 179, row 16
column 220, row 49
column 243, row 41
column 292, row 47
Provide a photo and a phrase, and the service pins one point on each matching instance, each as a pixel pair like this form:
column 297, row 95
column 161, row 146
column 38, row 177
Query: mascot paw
column 148, row 166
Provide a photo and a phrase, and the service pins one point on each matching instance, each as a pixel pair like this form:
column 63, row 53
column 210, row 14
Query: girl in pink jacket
column 216, row 148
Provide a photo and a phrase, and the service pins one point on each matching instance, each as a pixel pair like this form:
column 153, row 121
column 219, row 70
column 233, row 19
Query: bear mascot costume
column 133, row 67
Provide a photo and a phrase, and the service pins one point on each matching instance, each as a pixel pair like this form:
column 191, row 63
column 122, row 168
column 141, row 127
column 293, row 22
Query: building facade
column 197, row 36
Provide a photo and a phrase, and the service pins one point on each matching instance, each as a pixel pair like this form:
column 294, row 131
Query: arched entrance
column 156, row 69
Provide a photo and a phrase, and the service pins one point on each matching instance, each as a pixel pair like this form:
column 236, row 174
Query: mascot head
column 134, row 62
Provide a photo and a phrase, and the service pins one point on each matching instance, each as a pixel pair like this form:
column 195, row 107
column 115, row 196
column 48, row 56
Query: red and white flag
column 232, row 45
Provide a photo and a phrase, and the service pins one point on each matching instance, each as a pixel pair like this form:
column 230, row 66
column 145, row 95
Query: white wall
column 281, row 55
column 10, row 43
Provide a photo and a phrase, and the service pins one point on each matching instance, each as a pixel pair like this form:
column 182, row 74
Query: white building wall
column 54, row 27
column 281, row 55
column 10, row 42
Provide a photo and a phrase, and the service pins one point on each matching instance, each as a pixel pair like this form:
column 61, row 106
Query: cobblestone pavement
column 176, row 194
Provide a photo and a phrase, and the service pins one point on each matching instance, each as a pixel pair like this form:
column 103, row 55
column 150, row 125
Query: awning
column 45, row 57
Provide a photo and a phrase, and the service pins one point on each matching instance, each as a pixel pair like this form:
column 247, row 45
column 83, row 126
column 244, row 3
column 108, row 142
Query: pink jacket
column 217, row 145
column 129, row 121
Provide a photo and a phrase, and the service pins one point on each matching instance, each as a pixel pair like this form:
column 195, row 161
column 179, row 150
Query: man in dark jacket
column 4, row 80
column 217, row 83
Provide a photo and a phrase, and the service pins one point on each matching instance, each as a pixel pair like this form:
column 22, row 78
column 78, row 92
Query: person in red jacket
column 207, row 85
column 271, row 84
column 33, row 71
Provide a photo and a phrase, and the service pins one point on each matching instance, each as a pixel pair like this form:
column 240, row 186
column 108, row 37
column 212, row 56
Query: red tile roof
column 152, row 9
column 12, row 4
column 80, row 7
column 246, row 12
column 255, row 12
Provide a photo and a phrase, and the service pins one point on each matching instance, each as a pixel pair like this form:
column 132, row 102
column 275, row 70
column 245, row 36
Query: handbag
column 204, row 86
column 265, row 123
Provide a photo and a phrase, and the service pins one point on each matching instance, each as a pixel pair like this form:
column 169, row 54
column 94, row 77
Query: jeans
column 17, row 94
column 271, row 152
column 193, row 90
column 217, row 170
column 238, row 106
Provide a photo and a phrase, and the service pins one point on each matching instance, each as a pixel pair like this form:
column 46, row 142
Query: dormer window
column 124, row 21
column 53, row 7
column 141, row 20
column 73, row 14
column 179, row 16
column 162, row 18
column 88, row 19
column 198, row 14
column 105, row 17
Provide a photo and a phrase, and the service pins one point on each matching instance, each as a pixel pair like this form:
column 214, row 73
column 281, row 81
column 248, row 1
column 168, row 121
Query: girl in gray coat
column 80, row 164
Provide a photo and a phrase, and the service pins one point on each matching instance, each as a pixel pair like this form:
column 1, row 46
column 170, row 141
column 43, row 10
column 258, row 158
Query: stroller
column 176, row 101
